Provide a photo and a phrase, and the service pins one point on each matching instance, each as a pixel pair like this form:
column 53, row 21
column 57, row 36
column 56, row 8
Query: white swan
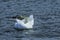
column 26, row 23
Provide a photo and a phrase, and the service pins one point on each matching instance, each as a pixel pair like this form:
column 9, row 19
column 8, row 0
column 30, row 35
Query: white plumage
column 26, row 23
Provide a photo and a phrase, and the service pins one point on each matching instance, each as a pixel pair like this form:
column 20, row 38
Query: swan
column 26, row 23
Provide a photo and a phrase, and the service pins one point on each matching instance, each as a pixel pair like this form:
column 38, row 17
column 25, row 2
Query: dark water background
column 46, row 14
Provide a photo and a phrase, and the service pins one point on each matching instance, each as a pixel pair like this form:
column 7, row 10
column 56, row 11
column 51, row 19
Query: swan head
column 20, row 17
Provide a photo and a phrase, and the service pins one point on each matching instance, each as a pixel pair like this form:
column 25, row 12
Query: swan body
column 26, row 23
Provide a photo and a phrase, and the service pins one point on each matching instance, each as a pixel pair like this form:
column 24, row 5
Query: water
column 46, row 14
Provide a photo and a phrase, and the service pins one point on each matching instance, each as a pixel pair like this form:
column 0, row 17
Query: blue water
column 46, row 14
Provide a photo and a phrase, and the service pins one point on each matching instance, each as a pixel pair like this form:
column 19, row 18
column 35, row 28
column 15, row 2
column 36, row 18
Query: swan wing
column 31, row 19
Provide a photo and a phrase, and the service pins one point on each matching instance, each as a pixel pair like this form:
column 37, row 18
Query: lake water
column 46, row 14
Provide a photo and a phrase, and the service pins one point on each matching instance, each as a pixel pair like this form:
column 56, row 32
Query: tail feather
column 31, row 16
